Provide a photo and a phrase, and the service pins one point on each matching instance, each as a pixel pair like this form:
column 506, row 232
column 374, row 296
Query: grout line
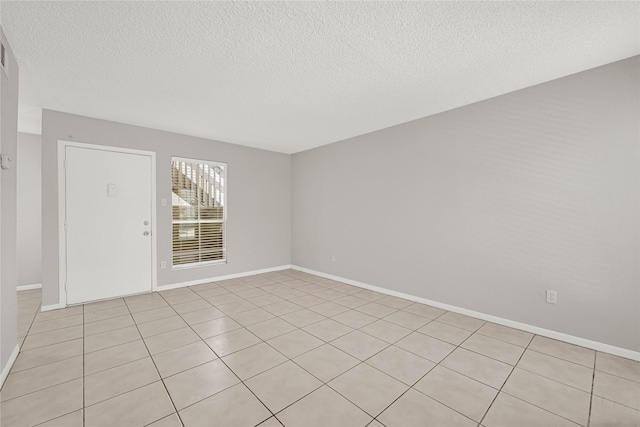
column 155, row 366
column 223, row 362
column 593, row 381
column 84, row 420
column 504, row 383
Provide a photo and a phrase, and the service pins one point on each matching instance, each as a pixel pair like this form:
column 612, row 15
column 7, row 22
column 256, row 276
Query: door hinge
column 64, row 164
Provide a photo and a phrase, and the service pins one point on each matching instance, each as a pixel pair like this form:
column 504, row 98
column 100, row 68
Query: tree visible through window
column 198, row 201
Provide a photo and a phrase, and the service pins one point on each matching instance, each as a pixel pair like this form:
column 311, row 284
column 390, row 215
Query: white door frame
column 62, row 212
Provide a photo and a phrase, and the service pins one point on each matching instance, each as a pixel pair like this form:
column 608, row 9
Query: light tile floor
column 288, row 348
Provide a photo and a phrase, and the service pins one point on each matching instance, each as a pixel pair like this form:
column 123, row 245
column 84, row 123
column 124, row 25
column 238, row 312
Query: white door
column 108, row 224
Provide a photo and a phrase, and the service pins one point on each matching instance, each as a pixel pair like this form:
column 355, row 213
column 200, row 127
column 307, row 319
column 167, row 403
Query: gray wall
column 8, row 146
column 29, row 228
column 486, row 206
column 259, row 198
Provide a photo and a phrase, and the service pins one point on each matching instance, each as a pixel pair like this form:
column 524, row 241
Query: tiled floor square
column 52, row 325
column 43, row 316
column 326, row 362
column 467, row 396
column 328, row 329
column 425, row 310
column 329, row 309
column 496, row 349
column 618, row 366
column 160, row 326
column 461, row 321
column 144, row 302
column 196, row 384
column 279, row 387
column 236, row 307
column 445, row 332
column 170, row 340
column 562, row 350
column 107, row 313
column 557, row 398
column 351, row 301
column 211, row 328
column 153, row 314
column 281, row 308
column 394, row 302
column 401, row 364
column 425, row 346
column 181, row 359
column 249, row 317
column 52, row 337
column 101, row 305
column 302, row 318
column 49, row 354
column 172, row 420
column 605, row 413
column 114, row 356
column 253, row 360
column 233, row 341
column 295, row 343
column 235, row 406
column 506, row 334
column 311, row 411
column 408, row 320
column 416, row 409
column 107, row 325
column 24, row 382
column 560, row 370
column 110, row 339
column 139, row 407
column 386, row 331
column 617, row 389
column 43, row 405
column 263, row 300
column 121, row 379
column 354, row 318
column 187, row 307
column 74, row 419
column 359, row 344
column 271, row 328
column 307, row 301
column 478, row 367
column 376, row 310
column 367, row 387
column 200, row 316
column 507, row 410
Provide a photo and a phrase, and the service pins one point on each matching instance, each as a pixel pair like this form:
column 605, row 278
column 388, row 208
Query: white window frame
column 224, row 220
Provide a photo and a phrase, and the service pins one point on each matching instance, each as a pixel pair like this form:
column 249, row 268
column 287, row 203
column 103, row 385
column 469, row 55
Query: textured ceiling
column 290, row 76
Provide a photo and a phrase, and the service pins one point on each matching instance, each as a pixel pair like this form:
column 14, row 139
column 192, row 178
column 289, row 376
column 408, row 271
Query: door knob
column 146, row 223
column 146, row 233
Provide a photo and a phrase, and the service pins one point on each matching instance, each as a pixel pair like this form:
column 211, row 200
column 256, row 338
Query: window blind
column 198, row 211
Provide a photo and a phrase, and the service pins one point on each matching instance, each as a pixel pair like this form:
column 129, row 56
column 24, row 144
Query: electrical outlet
column 333, row 257
column 163, row 264
column 552, row 297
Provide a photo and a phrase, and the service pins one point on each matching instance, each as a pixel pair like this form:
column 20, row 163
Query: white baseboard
column 51, row 307
column 29, row 287
column 7, row 368
column 594, row 345
column 218, row 278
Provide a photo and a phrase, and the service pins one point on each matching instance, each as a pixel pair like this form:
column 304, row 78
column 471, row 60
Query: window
column 198, row 202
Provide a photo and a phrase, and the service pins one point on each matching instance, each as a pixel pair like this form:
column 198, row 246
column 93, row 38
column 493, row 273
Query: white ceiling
column 289, row 76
